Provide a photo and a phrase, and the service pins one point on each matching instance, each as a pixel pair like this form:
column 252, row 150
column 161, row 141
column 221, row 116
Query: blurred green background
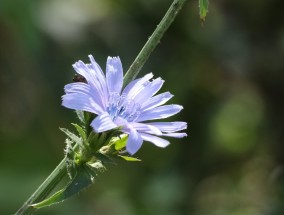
column 228, row 75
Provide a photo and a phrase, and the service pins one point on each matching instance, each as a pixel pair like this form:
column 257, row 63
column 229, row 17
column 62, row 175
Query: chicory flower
column 128, row 108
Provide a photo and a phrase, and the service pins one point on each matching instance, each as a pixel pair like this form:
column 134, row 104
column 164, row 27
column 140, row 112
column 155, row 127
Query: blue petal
column 146, row 128
column 79, row 96
column 103, row 123
column 156, row 101
column 129, row 86
column 139, row 85
column 169, row 126
column 100, row 77
column 114, row 75
column 77, row 87
column 159, row 112
column 83, row 88
column 175, row 135
column 77, row 101
column 97, row 69
column 150, row 90
column 134, row 142
column 160, row 142
column 95, row 80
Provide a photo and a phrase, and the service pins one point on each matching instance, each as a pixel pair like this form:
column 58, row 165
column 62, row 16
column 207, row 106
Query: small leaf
column 93, row 137
column 73, row 137
column 80, row 115
column 127, row 158
column 101, row 140
column 120, row 142
column 88, row 117
column 203, row 9
column 55, row 198
column 80, row 131
column 81, row 181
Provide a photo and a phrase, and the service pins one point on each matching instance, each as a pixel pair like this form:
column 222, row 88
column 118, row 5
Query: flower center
column 121, row 106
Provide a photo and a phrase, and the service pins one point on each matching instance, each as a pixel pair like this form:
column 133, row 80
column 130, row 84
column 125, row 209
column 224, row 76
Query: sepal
column 203, row 9
column 127, row 158
column 119, row 142
column 74, row 138
column 81, row 132
column 80, row 115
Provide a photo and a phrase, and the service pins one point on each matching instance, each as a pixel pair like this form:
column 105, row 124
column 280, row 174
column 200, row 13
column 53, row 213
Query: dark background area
column 228, row 75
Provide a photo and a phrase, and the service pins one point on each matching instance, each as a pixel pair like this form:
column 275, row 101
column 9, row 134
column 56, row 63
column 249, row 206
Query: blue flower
column 129, row 108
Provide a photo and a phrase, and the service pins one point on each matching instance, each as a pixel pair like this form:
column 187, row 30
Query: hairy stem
column 153, row 41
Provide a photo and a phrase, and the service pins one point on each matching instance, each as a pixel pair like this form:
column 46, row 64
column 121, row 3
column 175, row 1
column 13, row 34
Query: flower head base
column 128, row 108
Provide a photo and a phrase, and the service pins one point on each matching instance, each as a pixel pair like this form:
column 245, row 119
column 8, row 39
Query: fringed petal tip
column 114, row 59
column 114, row 75
column 91, row 58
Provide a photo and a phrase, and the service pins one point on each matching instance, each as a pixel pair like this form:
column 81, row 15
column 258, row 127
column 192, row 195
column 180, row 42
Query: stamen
column 121, row 106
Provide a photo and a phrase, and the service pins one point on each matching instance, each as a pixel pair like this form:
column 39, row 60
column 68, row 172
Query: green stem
column 153, row 41
column 44, row 189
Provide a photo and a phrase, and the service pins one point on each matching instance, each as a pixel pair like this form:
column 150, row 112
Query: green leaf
column 93, row 137
column 80, row 115
column 87, row 116
column 203, row 9
column 127, row 158
column 120, row 142
column 73, row 137
column 81, row 181
column 80, row 131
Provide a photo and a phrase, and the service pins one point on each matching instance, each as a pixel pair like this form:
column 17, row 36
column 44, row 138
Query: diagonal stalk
column 153, row 41
column 44, row 189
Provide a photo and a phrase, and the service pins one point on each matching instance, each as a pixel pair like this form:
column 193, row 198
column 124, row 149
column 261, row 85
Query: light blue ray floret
column 129, row 108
